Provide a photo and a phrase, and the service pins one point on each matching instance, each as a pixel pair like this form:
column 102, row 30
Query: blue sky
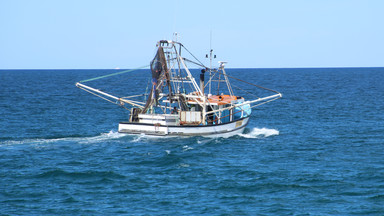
column 87, row 34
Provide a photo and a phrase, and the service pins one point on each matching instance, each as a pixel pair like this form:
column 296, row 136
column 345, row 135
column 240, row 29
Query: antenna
column 176, row 7
column 210, row 59
column 175, row 36
column 210, row 48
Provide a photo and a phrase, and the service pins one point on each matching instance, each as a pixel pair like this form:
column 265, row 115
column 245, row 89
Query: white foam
column 102, row 137
column 204, row 141
column 138, row 138
column 184, row 165
column 186, row 148
column 260, row 133
column 82, row 140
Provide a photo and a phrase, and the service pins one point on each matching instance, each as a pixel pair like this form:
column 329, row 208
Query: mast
column 211, row 56
column 222, row 64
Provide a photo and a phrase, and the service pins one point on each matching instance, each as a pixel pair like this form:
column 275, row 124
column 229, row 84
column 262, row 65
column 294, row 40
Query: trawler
column 178, row 105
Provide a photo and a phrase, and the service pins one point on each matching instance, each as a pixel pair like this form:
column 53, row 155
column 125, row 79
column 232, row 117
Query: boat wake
column 102, row 137
column 250, row 133
column 81, row 140
column 256, row 133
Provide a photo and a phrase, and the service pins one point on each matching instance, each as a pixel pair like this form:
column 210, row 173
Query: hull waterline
column 221, row 130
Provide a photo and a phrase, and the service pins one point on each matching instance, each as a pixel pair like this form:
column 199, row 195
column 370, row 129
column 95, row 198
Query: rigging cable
column 249, row 83
column 244, row 90
column 192, row 55
column 201, row 65
column 108, row 75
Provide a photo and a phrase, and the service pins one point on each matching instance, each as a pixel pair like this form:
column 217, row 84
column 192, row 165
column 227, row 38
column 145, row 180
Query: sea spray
column 260, row 133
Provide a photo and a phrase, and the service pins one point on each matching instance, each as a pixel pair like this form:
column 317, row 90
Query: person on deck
column 174, row 111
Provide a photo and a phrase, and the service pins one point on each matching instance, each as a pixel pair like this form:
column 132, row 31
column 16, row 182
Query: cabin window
column 225, row 114
column 193, row 107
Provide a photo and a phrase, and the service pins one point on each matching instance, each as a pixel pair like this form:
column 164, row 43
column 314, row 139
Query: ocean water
column 317, row 151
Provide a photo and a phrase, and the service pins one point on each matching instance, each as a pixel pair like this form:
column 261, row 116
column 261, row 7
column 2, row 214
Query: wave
column 82, row 140
column 86, row 174
column 260, row 133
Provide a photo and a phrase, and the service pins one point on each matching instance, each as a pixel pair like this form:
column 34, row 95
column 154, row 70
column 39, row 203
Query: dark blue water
column 317, row 151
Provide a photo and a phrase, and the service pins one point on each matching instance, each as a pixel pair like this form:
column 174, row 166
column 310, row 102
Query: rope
column 201, row 64
column 121, row 72
column 245, row 91
column 249, row 83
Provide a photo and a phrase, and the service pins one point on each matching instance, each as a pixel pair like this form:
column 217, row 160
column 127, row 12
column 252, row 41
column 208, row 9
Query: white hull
column 227, row 129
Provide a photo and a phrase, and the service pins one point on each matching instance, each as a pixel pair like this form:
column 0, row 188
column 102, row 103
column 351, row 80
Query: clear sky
column 90, row 34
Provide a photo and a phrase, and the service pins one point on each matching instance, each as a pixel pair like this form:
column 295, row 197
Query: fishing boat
column 178, row 105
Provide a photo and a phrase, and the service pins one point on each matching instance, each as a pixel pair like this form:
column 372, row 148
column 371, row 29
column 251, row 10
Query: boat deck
column 222, row 99
column 219, row 99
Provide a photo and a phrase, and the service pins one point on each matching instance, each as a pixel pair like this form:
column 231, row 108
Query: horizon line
column 1, row 69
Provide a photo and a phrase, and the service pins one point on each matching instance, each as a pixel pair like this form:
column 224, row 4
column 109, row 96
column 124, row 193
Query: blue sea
column 317, row 151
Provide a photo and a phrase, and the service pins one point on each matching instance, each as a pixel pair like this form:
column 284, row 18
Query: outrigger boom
column 90, row 89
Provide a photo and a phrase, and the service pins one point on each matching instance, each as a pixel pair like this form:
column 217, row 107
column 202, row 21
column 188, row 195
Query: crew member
column 174, row 111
